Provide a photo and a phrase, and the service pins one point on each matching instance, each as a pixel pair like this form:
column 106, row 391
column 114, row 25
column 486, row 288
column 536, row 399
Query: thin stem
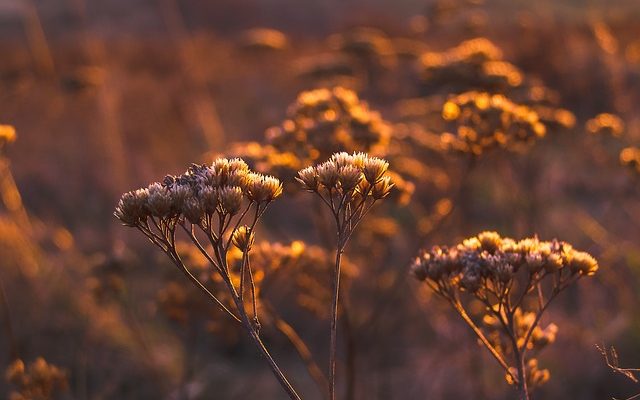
column 253, row 333
column 481, row 336
column 334, row 321
column 301, row 348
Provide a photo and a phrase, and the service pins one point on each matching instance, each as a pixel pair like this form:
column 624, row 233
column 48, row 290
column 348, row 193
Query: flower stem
column 334, row 323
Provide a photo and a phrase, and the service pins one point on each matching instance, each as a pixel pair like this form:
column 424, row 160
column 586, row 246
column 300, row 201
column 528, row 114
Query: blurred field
column 106, row 96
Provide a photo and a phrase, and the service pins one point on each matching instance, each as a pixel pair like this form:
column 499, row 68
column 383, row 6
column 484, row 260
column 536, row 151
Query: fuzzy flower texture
column 488, row 261
column 515, row 281
column 199, row 194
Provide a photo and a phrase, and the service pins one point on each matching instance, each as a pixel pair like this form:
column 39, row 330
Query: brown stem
column 254, row 335
column 333, row 348
column 301, row 348
column 481, row 336
column 350, row 351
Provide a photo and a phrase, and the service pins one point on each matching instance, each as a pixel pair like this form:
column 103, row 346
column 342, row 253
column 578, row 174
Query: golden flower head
column 382, row 188
column 308, row 178
column 328, row 174
column 374, row 168
column 263, row 188
column 243, row 238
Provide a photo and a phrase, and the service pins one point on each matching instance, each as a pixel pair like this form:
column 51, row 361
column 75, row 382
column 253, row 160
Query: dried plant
column 349, row 185
column 221, row 203
column 606, row 124
column 37, row 381
column 515, row 281
column 484, row 121
column 613, row 362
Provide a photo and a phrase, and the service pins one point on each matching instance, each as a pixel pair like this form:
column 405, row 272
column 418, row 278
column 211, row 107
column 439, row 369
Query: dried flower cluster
column 324, row 121
column 506, row 276
column 215, row 206
column 476, row 62
column 349, row 185
column 484, row 121
column 37, row 381
column 606, row 124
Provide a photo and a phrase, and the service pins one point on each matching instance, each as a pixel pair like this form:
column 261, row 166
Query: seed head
column 382, row 188
column 328, row 174
column 231, row 199
column 308, row 178
column 582, row 263
column 208, row 197
column 159, row 201
column 192, row 210
column 374, row 169
column 243, row 238
column 131, row 208
column 349, row 178
column 490, row 241
column 179, row 193
column 342, row 159
column 264, row 188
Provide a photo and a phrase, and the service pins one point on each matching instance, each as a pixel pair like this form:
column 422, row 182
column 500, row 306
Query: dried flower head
column 502, row 274
column 243, row 238
column 484, row 120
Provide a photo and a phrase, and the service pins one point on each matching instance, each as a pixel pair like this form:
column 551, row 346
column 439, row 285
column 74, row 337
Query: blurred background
column 100, row 97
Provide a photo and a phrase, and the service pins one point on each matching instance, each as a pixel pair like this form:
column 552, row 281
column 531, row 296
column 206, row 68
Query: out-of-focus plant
column 515, row 281
column 613, row 362
column 349, row 185
column 39, row 380
column 484, row 121
column 630, row 157
column 216, row 207
column 606, row 124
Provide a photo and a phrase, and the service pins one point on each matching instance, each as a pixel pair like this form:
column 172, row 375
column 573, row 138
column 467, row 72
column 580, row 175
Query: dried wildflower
column 502, row 273
column 606, row 124
column 243, row 238
column 214, row 200
column 350, row 184
column 483, row 121
column 37, row 381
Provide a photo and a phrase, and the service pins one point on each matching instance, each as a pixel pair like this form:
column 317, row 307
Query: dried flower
column 489, row 267
column 243, row 238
